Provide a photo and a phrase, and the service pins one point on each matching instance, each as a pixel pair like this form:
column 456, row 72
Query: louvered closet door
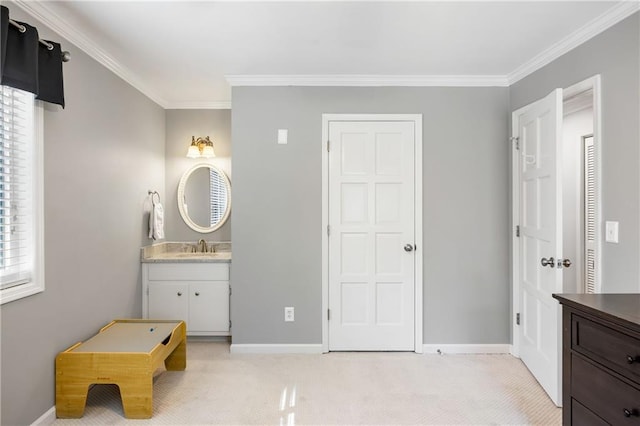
column 371, row 215
column 590, row 215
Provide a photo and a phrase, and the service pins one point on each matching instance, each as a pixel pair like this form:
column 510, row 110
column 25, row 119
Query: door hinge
column 328, row 146
column 328, row 314
column 516, row 140
column 147, row 290
column 229, row 289
column 517, row 230
column 518, row 318
column 328, row 230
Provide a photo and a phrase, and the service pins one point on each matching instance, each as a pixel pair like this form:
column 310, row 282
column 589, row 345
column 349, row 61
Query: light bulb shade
column 207, row 152
column 193, row 152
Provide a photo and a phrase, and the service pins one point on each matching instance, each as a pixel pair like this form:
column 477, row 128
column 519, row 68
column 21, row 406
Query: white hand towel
column 158, row 221
column 151, row 221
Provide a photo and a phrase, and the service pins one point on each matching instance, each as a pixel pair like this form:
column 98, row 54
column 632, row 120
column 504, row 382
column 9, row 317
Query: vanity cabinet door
column 169, row 301
column 209, row 307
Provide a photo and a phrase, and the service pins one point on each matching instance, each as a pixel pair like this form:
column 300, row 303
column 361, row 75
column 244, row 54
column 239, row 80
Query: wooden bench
column 125, row 353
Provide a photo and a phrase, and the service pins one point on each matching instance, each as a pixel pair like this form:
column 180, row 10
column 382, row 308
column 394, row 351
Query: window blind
column 16, row 187
column 218, row 196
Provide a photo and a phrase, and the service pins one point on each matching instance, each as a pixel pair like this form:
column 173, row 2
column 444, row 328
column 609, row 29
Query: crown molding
column 198, row 105
column 365, row 80
column 603, row 22
column 42, row 12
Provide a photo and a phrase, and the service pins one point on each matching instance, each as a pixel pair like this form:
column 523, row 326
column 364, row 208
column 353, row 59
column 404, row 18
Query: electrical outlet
column 289, row 314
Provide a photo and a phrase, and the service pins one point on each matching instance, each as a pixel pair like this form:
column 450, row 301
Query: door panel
column 371, row 215
column 354, row 309
column 355, row 203
column 388, row 257
column 388, row 198
column 539, row 132
column 354, row 254
column 390, row 309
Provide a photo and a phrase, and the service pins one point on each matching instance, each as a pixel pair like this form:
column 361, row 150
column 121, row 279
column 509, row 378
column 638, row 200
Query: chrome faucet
column 202, row 245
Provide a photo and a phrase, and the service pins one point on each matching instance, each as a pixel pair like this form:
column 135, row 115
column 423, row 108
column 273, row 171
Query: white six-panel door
column 538, row 128
column 371, row 219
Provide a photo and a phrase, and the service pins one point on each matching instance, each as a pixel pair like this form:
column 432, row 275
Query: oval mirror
column 204, row 198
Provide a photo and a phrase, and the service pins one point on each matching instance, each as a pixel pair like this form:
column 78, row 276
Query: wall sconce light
column 201, row 148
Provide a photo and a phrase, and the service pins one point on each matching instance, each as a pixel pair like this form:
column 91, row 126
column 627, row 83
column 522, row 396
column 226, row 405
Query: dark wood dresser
column 600, row 359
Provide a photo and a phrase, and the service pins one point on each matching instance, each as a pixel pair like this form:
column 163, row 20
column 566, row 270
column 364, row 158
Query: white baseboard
column 256, row 348
column 208, row 339
column 467, row 349
column 47, row 418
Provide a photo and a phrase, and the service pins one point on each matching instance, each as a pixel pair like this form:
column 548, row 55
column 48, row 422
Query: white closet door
column 371, row 217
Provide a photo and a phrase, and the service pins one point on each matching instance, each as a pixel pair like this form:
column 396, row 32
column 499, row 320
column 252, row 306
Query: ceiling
column 184, row 54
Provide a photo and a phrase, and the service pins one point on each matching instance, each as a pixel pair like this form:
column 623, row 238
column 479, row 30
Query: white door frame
column 417, row 120
column 592, row 83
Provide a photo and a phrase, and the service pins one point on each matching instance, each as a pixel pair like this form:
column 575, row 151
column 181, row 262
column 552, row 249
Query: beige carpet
column 335, row 389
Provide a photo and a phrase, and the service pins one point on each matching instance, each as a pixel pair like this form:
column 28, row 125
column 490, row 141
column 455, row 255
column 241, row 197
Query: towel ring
column 153, row 194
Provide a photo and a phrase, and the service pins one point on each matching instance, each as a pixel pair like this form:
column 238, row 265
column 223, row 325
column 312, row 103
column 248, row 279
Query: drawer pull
column 632, row 359
column 628, row 413
column 179, row 293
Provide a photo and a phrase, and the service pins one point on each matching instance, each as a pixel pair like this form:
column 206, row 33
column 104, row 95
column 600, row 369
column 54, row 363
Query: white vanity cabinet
column 197, row 293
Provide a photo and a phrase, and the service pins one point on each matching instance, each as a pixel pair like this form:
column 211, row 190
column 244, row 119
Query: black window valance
column 27, row 63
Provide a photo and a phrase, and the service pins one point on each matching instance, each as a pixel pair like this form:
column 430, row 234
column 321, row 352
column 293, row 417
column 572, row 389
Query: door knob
column 564, row 263
column 197, row 294
column 408, row 247
column 548, row 262
column 179, row 293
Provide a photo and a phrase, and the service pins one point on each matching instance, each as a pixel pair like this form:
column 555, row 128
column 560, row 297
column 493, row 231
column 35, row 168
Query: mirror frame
column 185, row 216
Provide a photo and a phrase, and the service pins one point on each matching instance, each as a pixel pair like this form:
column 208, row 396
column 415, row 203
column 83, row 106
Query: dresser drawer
column 618, row 351
column 604, row 394
column 581, row 415
column 188, row 271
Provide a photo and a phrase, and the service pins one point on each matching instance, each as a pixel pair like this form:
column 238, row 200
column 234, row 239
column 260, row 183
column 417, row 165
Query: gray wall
column 277, row 208
column 102, row 154
column 180, row 126
column 615, row 55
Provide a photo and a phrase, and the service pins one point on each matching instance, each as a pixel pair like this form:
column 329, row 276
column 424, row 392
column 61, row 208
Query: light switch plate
column 611, row 232
column 282, row 136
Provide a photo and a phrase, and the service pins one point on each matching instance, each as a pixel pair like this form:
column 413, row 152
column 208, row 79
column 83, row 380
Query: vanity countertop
column 181, row 252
